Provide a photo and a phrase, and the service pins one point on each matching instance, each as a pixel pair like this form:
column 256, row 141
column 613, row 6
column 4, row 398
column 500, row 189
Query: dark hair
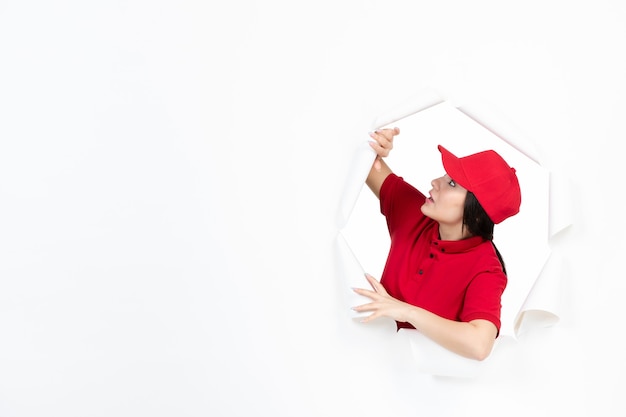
column 477, row 222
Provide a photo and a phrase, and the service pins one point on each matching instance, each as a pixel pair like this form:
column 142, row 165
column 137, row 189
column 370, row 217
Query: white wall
column 169, row 179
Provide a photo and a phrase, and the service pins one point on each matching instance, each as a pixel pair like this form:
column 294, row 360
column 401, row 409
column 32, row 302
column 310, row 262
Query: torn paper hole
column 523, row 239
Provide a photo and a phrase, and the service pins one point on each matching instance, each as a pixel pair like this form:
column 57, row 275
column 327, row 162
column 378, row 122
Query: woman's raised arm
column 382, row 143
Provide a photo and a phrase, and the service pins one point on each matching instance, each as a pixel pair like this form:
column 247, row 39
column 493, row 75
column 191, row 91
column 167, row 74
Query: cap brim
column 453, row 167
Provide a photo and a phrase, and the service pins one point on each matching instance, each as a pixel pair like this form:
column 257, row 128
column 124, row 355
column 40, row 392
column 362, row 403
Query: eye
column 452, row 183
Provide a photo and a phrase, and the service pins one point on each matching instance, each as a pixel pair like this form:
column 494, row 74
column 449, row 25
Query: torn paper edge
column 364, row 155
column 536, row 310
column 432, row 358
column 542, row 305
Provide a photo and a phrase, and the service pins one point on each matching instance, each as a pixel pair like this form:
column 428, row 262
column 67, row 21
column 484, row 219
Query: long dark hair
column 478, row 223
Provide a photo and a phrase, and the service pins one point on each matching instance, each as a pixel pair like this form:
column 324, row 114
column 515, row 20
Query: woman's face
column 446, row 201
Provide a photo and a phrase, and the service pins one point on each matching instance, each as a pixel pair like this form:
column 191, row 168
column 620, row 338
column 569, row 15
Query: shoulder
column 395, row 185
column 399, row 198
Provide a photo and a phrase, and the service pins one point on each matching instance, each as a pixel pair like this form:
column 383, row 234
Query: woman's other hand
column 382, row 305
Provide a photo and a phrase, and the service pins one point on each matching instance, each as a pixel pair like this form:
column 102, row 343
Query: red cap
column 490, row 178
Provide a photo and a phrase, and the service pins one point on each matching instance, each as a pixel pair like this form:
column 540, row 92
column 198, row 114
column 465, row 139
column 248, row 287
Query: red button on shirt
column 460, row 280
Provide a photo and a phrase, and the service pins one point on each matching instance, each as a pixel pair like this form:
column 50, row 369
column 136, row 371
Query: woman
column 443, row 275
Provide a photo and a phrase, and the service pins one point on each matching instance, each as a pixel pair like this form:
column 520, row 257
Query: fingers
column 383, row 140
column 374, row 308
column 376, row 285
column 381, row 304
column 364, row 292
column 373, row 282
column 382, row 143
column 377, row 296
column 371, row 307
column 364, row 307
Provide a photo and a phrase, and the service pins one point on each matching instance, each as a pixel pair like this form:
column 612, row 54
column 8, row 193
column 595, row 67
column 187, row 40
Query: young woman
column 443, row 275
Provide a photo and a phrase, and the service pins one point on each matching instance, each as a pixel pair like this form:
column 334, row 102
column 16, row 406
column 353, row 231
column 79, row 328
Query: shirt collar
column 453, row 246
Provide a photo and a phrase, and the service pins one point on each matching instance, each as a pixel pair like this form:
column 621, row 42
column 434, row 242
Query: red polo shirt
column 460, row 280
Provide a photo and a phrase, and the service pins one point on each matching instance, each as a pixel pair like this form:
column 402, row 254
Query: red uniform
column 460, row 280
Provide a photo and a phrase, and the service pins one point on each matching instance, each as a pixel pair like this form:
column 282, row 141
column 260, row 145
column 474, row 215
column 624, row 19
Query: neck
column 453, row 232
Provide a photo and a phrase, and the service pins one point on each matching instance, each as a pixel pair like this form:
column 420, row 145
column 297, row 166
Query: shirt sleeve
column 400, row 203
column 483, row 297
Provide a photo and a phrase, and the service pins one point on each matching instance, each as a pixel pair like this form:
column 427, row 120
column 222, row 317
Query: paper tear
column 352, row 273
column 360, row 165
column 431, row 358
column 539, row 307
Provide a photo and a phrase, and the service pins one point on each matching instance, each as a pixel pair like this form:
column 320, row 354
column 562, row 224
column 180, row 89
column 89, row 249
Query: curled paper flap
column 542, row 305
column 432, row 358
column 351, row 273
column 561, row 207
column 360, row 165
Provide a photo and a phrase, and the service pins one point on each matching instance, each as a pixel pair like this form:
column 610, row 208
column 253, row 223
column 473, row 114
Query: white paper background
column 169, row 179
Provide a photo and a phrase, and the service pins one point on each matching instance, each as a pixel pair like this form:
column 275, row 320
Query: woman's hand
column 382, row 305
column 382, row 143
